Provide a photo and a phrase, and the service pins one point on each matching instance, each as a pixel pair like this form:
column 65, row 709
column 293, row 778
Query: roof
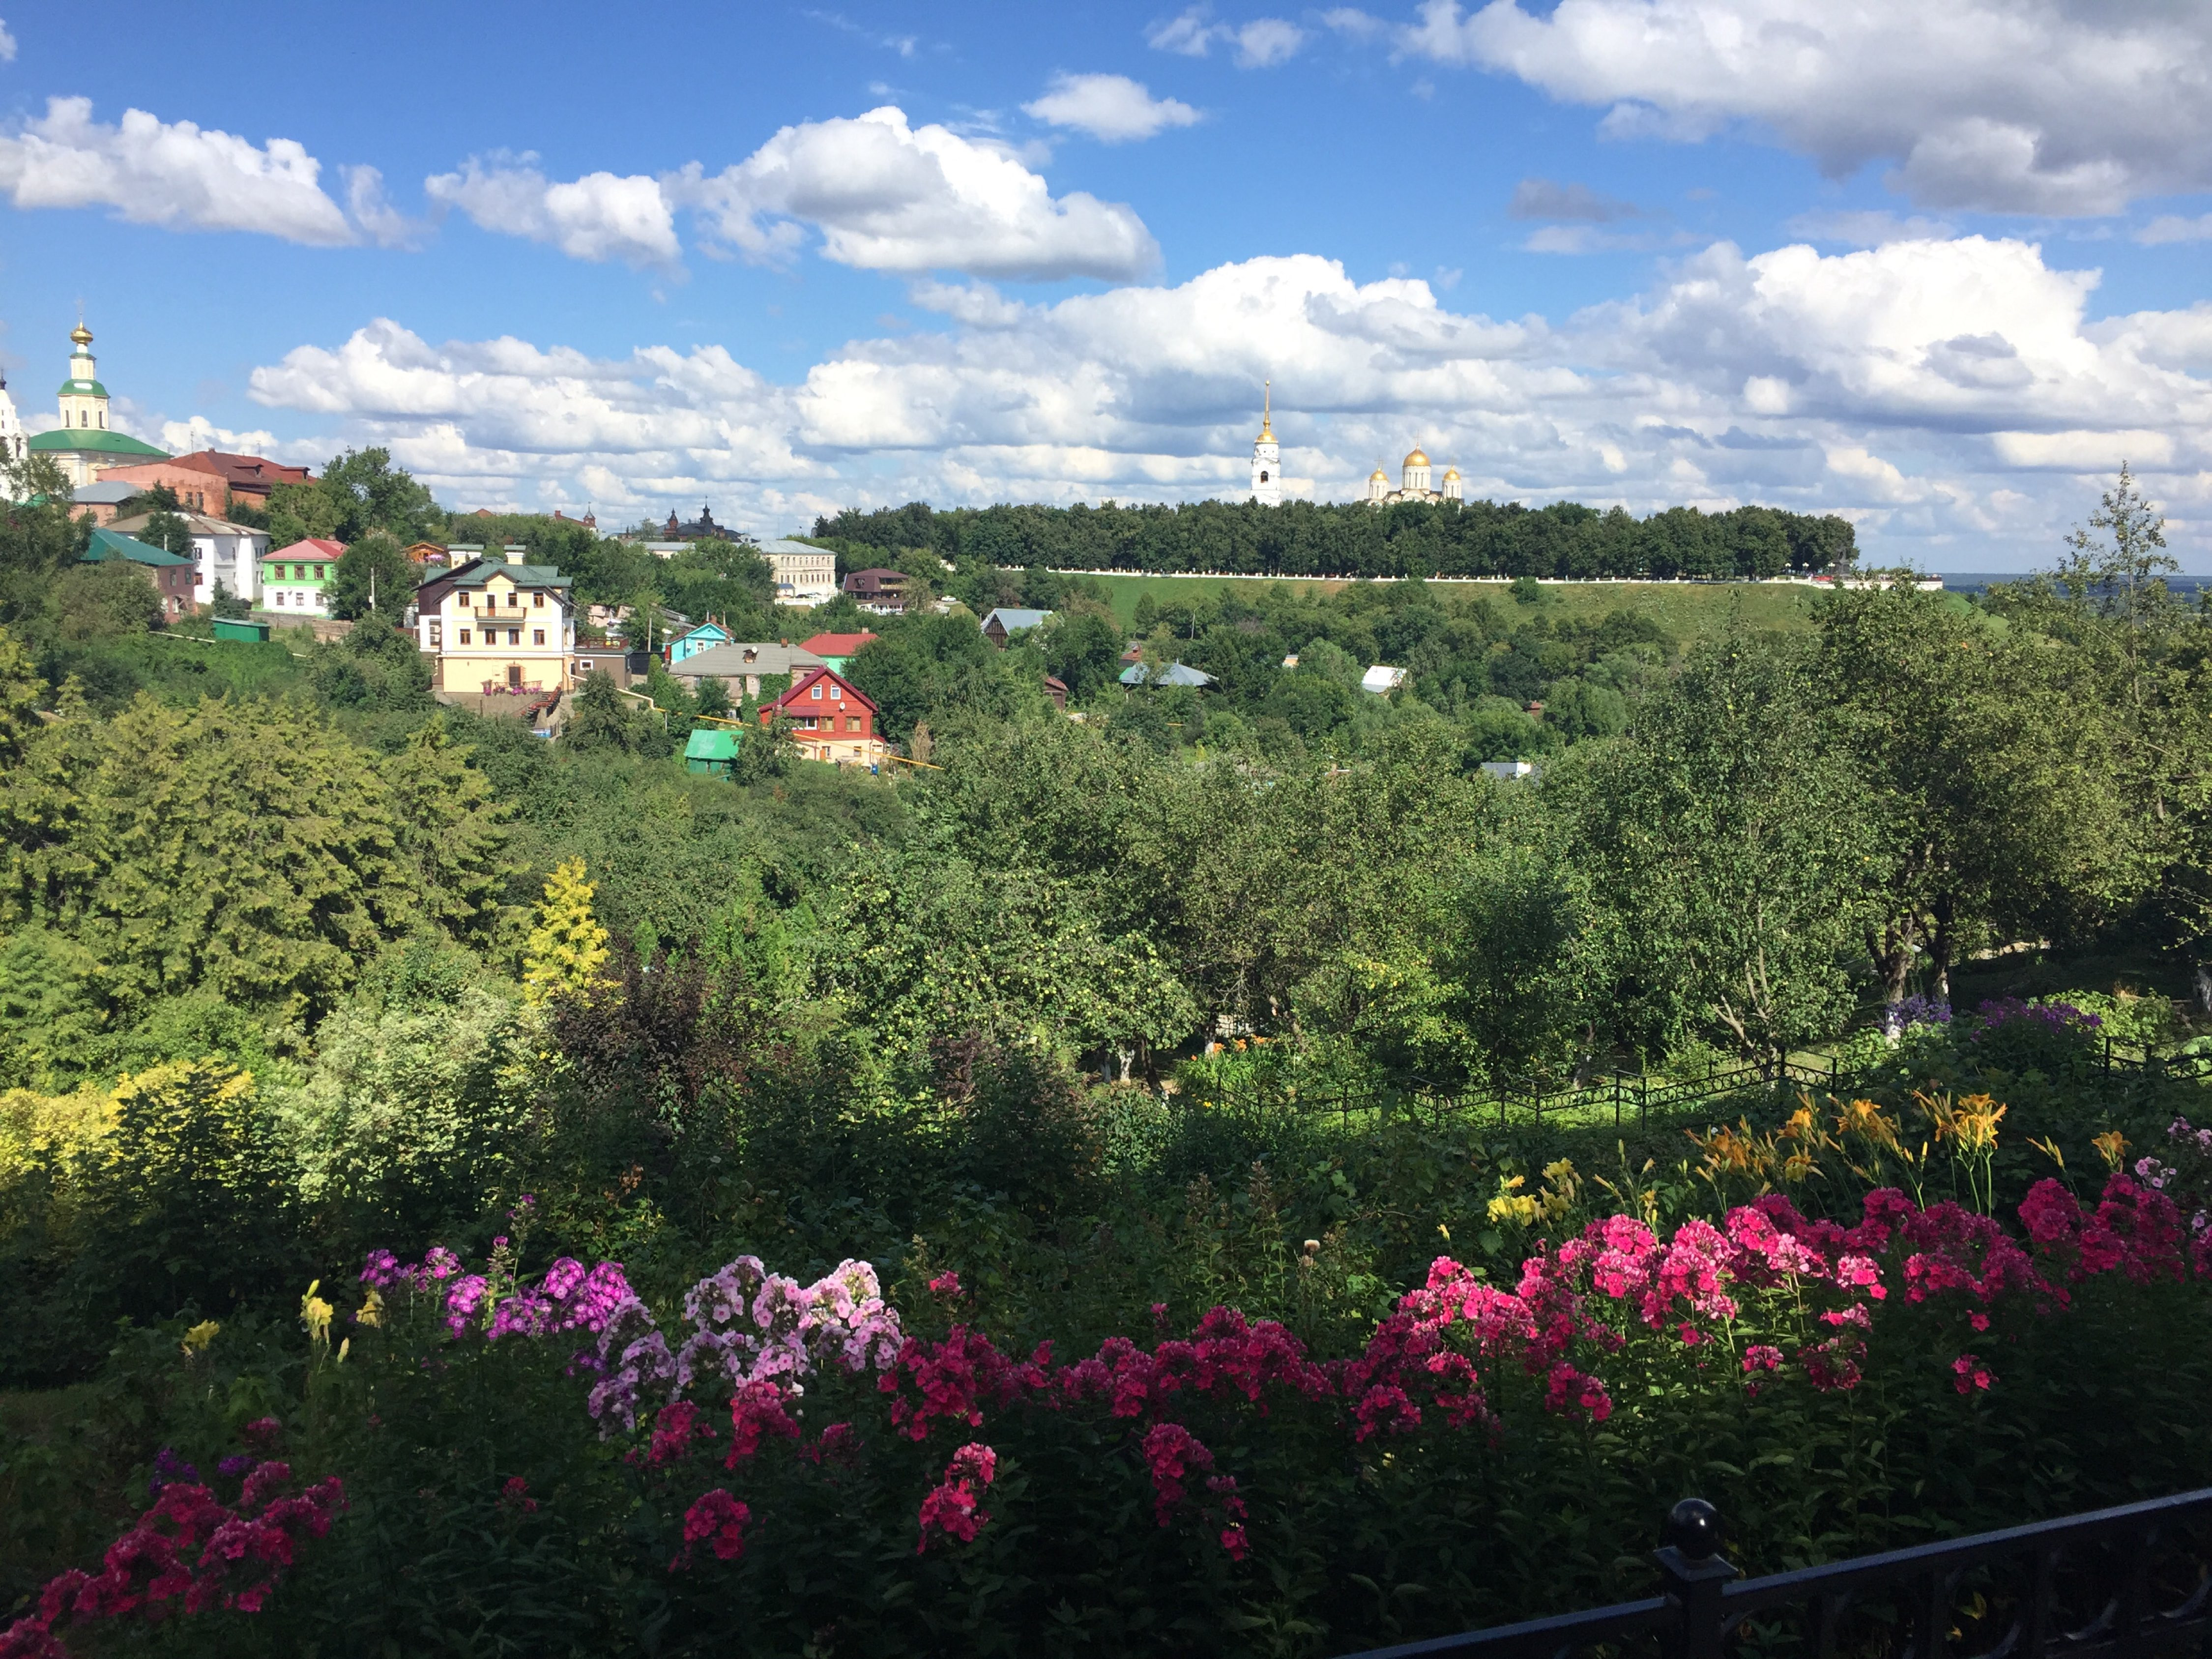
column 713, row 743
column 77, row 388
column 1013, row 618
column 784, row 545
column 109, row 544
column 1175, row 673
column 311, row 547
column 836, row 644
column 875, row 577
column 799, row 689
column 243, row 471
column 723, row 662
column 523, row 575
column 103, row 494
column 199, row 523
column 1381, row 679
column 62, row 440
column 713, row 628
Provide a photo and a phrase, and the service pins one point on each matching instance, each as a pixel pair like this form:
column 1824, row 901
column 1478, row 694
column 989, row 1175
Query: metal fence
column 2130, row 1583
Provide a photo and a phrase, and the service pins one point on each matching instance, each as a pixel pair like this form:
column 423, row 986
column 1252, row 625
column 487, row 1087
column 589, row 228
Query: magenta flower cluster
column 187, row 1554
column 953, row 1510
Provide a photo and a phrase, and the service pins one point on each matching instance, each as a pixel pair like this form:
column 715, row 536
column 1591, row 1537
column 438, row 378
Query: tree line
column 1351, row 538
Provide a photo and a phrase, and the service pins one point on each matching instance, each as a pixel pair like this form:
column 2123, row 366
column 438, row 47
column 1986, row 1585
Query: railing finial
column 1693, row 1527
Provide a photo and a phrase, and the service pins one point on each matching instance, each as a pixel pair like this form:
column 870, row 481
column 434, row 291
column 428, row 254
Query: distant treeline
column 1301, row 539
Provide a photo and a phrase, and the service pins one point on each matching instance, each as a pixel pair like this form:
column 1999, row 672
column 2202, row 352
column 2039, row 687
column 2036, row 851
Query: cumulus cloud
column 888, row 196
column 1260, row 43
column 7, row 45
column 1540, row 199
column 599, row 216
column 2043, row 107
column 1110, row 107
column 1946, row 393
column 174, row 175
column 1863, row 228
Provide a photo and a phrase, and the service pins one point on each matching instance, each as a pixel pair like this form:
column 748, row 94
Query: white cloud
column 184, row 437
column 379, row 222
column 1543, row 198
column 1260, row 43
column 7, row 45
column 1946, row 394
column 2172, row 228
column 1110, row 107
column 598, row 217
column 886, row 197
column 174, row 175
column 2044, row 106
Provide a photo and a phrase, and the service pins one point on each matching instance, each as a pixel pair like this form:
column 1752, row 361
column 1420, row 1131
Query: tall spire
column 1268, row 413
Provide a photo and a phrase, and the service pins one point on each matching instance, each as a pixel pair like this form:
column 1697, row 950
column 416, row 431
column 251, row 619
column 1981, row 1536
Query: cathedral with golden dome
column 1413, row 484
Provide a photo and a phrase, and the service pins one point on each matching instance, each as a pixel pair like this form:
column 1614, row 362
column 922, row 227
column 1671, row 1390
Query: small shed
column 713, row 749
column 229, row 628
column 1382, row 679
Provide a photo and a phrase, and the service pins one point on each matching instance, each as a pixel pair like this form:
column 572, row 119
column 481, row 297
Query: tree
column 567, row 953
column 1083, row 650
column 370, row 494
column 450, row 833
column 373, row 577
column 598, row 719
column 38, row 538
column 241, row 848
column 103, row 600
column 1726, row 845
column 165, row 529
column 1981, row 767
column 21, row 690
column 227, row 606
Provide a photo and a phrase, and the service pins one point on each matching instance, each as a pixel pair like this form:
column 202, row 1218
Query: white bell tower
column 1268, row 455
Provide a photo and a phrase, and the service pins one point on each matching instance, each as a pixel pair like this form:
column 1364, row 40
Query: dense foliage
column 1087, row 1119
column 1351, row 538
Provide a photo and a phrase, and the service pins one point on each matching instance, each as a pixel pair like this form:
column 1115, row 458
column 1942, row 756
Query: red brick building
column 831, row 719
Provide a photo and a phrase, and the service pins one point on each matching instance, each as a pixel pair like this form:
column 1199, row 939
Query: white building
column 82, row 444
column 14, row 444
column 1413, row 483
column 804, row 575
column 223, row 552
column 1267, row 456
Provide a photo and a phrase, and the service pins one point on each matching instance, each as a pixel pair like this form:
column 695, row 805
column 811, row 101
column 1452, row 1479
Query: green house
column 228, row 628
column 713, row 749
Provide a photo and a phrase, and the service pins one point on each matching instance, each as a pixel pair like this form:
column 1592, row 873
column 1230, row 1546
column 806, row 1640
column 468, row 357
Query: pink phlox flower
column 1971, row 1374
column 466, row 1302
column 1762, row 1357
column 1834, row 1365
column 758, row 1410
column 1571, row 1393
column 718, row 1521
column 946, row 1284
column 951, row 1509
column 1856, row 1316
column 1173, row 1454
column 675, row 1431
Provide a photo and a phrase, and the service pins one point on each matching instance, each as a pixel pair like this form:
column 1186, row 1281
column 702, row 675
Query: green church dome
column 82, row 388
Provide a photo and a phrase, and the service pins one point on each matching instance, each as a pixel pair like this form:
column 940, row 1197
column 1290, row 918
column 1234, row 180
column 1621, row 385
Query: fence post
column 1616, row 1096
column 1692, row 1569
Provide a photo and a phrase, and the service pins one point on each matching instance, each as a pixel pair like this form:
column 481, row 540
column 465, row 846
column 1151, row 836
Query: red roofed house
column 208, row 480
column 831, row 719
column 836, row 649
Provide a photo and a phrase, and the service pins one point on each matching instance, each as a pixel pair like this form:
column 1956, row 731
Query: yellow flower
column 197, row 1337
column 2111, row 1146
column 371, row 1311
column 315, row 1314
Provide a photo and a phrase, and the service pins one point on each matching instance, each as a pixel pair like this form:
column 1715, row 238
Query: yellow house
column 492, row 627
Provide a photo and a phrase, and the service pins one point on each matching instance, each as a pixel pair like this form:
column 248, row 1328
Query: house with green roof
column 82, row 444
column 493, row 628
column 171, row 573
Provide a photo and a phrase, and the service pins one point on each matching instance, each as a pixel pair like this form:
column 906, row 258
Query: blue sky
column 1938, row 266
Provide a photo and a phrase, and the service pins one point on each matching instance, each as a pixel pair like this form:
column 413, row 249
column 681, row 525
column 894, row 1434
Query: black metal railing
column 2130, row 1583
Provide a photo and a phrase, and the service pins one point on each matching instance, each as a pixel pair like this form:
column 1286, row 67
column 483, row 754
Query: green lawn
column 1685, row 610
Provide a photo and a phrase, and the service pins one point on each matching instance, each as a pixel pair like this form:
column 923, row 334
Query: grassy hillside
column 1685, row 610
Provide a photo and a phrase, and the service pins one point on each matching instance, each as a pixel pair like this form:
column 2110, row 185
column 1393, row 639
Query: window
column 514, row 636
column 583, row 665
column 280, row 595
column 538, row 600
column 817, row 691
column 852, row 722
column 464, row 636
column 299, row 572
column 837, row 694
column 537, row 637
column 435, row 639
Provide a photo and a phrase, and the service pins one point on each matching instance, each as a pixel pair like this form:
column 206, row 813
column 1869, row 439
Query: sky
column 1938, row 265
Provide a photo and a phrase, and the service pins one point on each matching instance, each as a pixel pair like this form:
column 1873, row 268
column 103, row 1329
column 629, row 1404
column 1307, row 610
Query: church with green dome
column 83, row 443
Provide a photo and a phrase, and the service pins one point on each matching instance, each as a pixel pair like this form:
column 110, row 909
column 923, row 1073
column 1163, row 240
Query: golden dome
column 81, row 335
column 1417, row 459
column 1378, row 473
column 1452, row 472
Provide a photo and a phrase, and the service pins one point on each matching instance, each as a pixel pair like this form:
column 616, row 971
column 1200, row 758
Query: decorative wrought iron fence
column 2130, row 1583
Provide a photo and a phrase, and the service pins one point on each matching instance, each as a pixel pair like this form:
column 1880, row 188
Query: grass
column 1685, row 610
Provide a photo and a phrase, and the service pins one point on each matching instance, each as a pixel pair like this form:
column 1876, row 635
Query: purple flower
column 235, row 1465
column 170, row 1470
